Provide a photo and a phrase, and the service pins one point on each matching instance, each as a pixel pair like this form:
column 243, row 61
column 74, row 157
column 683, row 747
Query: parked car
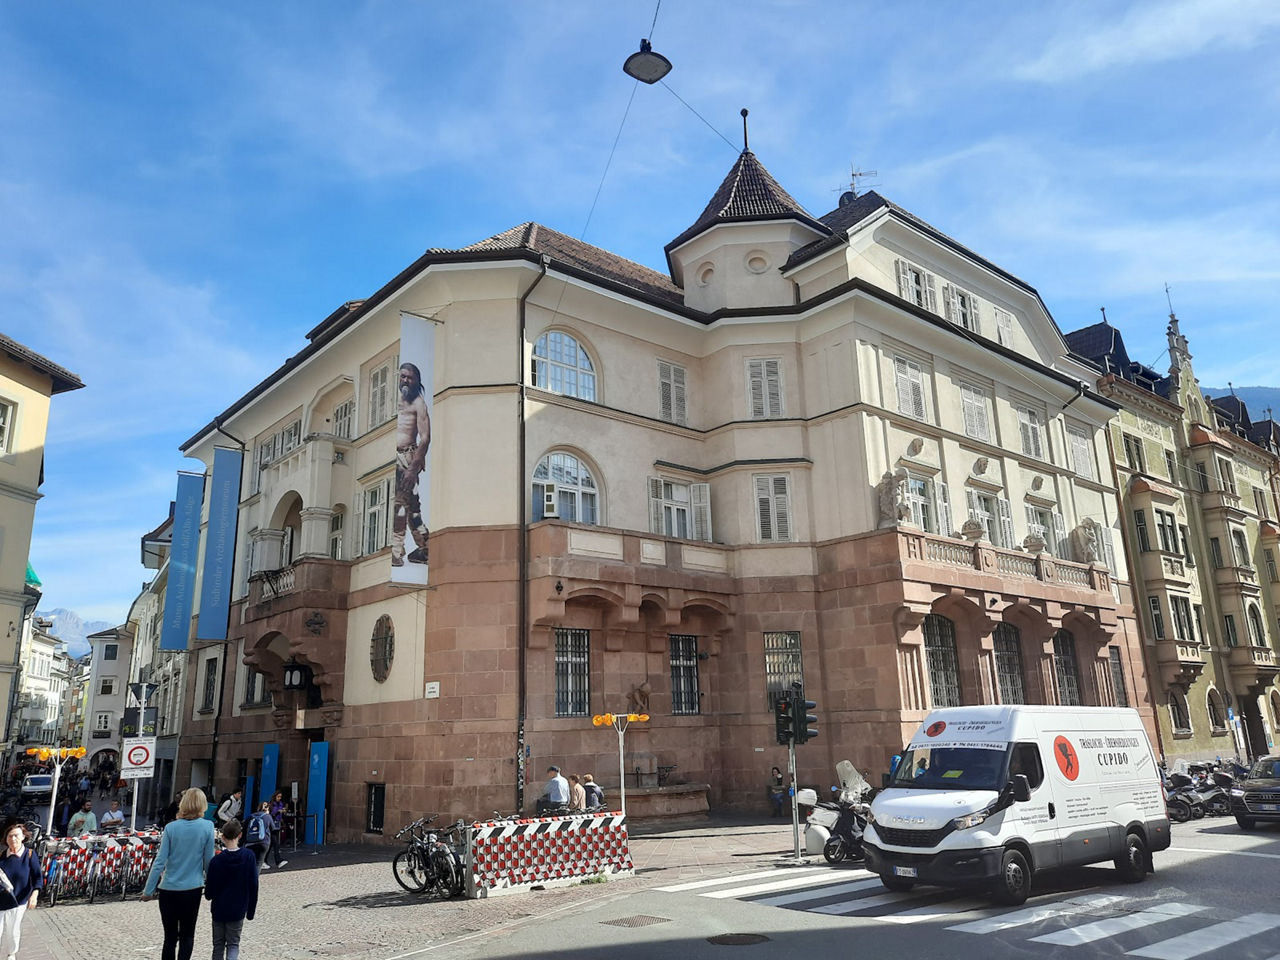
column 37, row 786
column 1257, row 797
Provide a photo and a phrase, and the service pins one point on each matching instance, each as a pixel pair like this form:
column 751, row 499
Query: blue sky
column 187, row 189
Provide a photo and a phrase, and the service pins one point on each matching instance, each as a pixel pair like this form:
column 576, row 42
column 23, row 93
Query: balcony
column 1007, row 564
column 1222, row 503
column 1233, row 579
column 1159, row 566
column 1252, row 668
column 309, row 582
column 1181, row 663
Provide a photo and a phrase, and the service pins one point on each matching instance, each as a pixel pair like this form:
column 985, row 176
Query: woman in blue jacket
column 186, row 847
column 21, row 880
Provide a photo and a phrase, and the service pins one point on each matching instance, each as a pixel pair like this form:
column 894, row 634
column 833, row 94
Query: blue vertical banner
column 317, row 786
column 178, row 600
column 270, row 763
column 219, row 545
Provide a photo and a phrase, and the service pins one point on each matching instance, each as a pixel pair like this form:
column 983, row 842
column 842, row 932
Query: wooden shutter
column 700, row 496
column 360, row 551
column 904, row 280
column 910, row 388
column 972, row 497
column 975, row 323
column 973, row 402
column 782, row 508
column 773, row 388
column 655, row 506
column 1004, row 327
column 930, row 292
column 950, row 303
column 943, row 497
column 666, row 389
column 1006, row 521
column 1059, row 534
column 764, row 511
column 755, row 388
column 679, row 413
column 1033, row 521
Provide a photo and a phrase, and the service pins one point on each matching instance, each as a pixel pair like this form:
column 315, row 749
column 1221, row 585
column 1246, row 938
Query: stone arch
column 1215, row 709
column 536, row 484
column 1036, row 635
column 941, row 653
column 1091, row 640
column 974, row 645
column 289, row 502
column 319, row 411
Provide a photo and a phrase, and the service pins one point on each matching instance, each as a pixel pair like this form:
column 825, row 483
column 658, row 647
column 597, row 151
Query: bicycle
column 411, row 866
column 105, row 869
column 140, row 854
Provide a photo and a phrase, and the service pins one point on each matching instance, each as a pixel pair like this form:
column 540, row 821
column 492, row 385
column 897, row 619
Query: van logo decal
column 1064, row 752
column 935, row 728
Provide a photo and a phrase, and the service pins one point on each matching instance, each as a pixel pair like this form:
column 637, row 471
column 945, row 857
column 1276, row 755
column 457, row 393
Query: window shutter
column 666, row 389
column 388, row 509
column 1108, row 549
column 755, row 377
column 1006, row 521
column 904, row 280
column 945, row 526
column 773, row 388
column 903, row 376
column 975, row 324
column 764, row 499
column 930, row 293
column 972, row 497
column 1059, row 536
column 679, row 413
column 950, row 305
column 360, row 523
column 655, row 505
column 700, row 495
column 1004, row 327
column 782, row 508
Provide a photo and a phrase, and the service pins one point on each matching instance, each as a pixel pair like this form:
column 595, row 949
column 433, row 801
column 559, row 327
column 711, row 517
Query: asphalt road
column 1214, row 896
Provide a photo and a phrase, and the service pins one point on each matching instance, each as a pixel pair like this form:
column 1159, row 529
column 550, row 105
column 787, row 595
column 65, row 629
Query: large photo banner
column 410, row 519
column 175, row 629
column 220, row 545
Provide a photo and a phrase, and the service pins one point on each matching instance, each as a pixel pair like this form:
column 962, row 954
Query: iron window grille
column 1008, row 650
column 1067, row 669
column 1119, row 689
column 573, row 672
column 684, row 674
column 210, row 683
column 944, row 664
column 375, row 805
column 382, row 648
column 783, row 663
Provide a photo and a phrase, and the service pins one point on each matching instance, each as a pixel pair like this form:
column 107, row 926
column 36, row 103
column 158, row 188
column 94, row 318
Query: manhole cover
column 737, row 939
column 640, row 920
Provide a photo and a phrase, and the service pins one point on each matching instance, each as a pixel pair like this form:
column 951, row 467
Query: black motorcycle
column 845, row 842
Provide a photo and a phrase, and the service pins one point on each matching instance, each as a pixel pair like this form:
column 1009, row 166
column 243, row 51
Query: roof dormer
column 733, row 253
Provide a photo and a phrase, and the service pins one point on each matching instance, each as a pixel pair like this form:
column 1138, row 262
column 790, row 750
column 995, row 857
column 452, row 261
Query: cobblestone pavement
column 344, row 902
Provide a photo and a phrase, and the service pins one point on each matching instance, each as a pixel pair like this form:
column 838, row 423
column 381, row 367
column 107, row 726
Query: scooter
column 836, row 828
column 1184, row 802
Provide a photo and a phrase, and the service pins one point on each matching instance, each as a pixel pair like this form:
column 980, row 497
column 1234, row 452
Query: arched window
column 1008, row 646
column 1066, row 668
column 1257, row 633
column 1178, row 713
column 562, row 366
column 1241, row 547
column 563, row 479
column 944, row 667
column 1217, row 717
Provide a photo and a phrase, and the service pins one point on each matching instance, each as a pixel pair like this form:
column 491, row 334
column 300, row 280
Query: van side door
column 1035, row 819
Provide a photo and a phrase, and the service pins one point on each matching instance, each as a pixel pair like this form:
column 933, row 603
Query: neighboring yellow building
column 27, row 381
column 1197, row 476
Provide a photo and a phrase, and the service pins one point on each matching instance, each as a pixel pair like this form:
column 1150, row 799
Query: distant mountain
column 72, row 630
column 1257, row 399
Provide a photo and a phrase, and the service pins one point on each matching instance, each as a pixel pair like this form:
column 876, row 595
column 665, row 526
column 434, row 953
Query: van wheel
column 896, row 884
column 1014, row 885
column 1246, row 823
column 1135, row 862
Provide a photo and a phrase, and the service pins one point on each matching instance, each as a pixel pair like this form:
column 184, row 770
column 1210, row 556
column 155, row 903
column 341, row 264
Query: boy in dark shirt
column 232, row 887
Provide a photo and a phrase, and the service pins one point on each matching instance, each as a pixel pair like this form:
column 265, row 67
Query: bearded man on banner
column 413, row 437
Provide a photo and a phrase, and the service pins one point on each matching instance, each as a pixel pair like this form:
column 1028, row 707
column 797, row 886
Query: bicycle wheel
column 445, row 876
column 92, row 882
column 409, row 872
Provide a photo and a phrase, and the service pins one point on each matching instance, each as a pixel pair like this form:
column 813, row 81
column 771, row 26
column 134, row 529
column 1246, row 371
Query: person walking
column 21, row 881
column 232, row 892
column 231, row 807
column 257, row 835
column 186, row 847
column 277, row 810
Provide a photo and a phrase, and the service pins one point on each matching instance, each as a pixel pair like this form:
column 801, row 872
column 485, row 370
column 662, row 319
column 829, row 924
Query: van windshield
column 951, row 768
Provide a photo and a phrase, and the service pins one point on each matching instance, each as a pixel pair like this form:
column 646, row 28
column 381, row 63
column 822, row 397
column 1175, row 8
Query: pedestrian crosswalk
column 1158, row 925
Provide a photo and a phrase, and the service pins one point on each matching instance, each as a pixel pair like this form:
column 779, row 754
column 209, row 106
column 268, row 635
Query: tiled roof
column 1103, row 344
column 748, row 193
column 63, row 379
column 538, row 239
column 1232, row 408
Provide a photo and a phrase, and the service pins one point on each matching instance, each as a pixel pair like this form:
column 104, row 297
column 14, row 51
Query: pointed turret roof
column 748, row 193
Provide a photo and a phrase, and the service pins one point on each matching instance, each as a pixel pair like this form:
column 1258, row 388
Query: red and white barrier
column 507, row 856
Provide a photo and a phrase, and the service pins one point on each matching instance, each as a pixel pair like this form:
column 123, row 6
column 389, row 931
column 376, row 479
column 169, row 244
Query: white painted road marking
column 937, row 911
column 1188, row 945
column 1089, row 932
column 803, row 895
column 1216, row 853
column 824, row 876
column 866, row 903
column 1035, row 914
column 717, row 881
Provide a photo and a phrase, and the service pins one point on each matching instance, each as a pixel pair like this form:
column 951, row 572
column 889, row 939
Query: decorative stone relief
column 1034, row 543
column 891, row 495
column 915, row 447
column 973, row 530
column 980, row 466
column 1086, row 542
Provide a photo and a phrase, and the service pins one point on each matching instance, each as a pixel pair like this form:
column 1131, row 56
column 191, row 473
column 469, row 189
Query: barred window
column 944, row 665
column 210, row 683
column 783, row 664
column 573, row 676
column 1066, row 668
column 1117, row 677
column 382, row 648
column 684, row 674
column 1008, row 647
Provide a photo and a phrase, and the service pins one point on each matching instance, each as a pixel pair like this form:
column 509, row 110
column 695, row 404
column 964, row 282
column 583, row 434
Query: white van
column 992, row 795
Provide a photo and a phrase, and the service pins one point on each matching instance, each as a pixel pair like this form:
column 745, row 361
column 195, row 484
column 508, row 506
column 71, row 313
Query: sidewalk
column 344, row 901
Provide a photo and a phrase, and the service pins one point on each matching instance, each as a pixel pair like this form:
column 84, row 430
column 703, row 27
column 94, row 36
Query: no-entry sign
column 138, row 758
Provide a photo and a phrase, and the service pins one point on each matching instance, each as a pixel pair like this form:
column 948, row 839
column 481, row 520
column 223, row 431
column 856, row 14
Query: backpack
column 259, row 830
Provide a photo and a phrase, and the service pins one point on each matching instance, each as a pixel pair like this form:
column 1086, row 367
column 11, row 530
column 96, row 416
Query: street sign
column 138, row 758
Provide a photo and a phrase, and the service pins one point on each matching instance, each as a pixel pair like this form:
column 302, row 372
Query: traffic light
column 801, row 717
column 783, row 722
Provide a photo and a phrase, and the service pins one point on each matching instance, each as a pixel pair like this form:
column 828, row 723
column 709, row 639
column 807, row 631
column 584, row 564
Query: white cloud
column 1150, row 33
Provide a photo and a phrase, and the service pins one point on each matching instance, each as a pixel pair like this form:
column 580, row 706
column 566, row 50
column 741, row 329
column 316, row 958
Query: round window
column 757, row 261
column 705, row 273
column 382, row 648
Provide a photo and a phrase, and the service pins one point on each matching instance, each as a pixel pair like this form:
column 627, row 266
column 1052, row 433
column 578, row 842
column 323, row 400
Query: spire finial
column 1104, row 314
column 745, row 146
column 1231, row 386
column 1170, row 301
